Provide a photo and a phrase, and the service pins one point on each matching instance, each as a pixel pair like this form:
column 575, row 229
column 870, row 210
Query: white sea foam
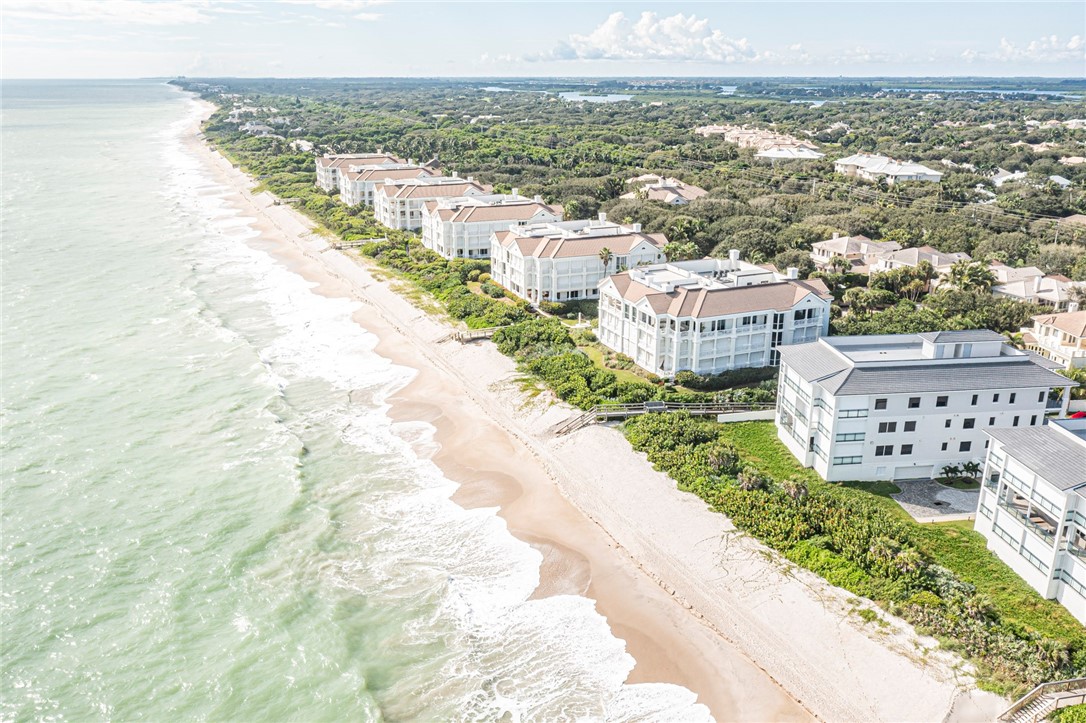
column 509, row 656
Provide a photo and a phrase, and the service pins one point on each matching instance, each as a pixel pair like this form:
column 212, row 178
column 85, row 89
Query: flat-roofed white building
column 860, row 251
column 1032, row 507
column 357, row 183
column 1059, row 337
column 328, row 166
column 871, row 167
column 399, row 204
column 903, row 406
column 561, row 261
column 461, row 227
column 708, row 316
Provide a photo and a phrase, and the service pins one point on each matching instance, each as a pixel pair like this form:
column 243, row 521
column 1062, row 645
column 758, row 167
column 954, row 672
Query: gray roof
column 1052, row 455
column 961, row 337
column 813, row 361
column 943, row 377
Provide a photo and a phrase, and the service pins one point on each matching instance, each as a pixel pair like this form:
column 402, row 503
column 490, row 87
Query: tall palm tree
column 971, row 276
column 605, row 257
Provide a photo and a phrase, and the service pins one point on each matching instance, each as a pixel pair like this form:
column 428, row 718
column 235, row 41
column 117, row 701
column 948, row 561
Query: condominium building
column 1032, row 507
column 1059, row 337
column 399, row 204
column 328, row 166
column 871, row 167
column 461, row 227
column 859, row 251
column 903, row 406
column 562, row 261
column 357, row 183
column 708, row 316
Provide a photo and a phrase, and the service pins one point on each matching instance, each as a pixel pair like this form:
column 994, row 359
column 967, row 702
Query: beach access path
column 698, row 603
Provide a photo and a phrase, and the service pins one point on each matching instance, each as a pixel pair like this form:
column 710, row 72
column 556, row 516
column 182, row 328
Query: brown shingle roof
column 558, row 247
column 702, row 303
column 362, row 159
column 1072, row 322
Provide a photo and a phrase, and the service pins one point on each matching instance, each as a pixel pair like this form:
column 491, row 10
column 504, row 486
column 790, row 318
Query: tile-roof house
column 1059, row 337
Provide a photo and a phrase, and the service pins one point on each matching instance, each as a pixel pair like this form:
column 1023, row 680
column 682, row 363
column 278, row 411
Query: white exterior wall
column 845, row 429
column 327, row 178
column 468, row 240
column 573, row 278
column 357, row 192
column 1060, row 347
column 664, row 344
column 405, row 213
column 1046, row 560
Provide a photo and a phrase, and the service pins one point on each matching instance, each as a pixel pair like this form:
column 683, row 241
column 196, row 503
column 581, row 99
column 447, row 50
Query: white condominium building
column 903, row 406
column 328, row 166
column 708, row 316
column 1032, row 507
column 871, row 167
column 357, row 183
column 1059, row 337
column 561, row 261
column 399, row 204
column 461, row 227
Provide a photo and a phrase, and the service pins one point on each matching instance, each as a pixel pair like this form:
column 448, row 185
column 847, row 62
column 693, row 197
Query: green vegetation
column 1070, row 714
column 939, row 577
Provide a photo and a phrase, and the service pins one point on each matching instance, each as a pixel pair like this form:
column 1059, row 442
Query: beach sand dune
column 697, row 603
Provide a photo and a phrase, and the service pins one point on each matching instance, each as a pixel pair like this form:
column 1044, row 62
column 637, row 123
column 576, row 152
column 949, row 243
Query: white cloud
column 356, row 8
column 137, row 12
column 1047, row 49
column 677, row 38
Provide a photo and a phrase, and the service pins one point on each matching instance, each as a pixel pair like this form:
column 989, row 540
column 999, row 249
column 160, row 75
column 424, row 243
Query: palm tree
column 971, row 276
column 573, row 209
column 971, row 468
column 840, row 264
column 605, row 257
column 676, row 251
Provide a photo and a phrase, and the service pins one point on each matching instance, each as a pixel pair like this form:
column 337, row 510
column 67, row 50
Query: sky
column 406, row 38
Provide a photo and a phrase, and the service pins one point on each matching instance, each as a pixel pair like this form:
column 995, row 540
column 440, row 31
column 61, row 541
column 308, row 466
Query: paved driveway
column 928, row 501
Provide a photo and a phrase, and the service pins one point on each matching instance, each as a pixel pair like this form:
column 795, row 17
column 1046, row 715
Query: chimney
column 1037, row 283
column 603, row 217
column 835, row 234
column 456, row 174
column 471, row 179
column 410, row 161
column 380, row 150
column 793, row 272
column 733, row 256
column 637, row 228
column 1072, row 307
column 516, row 193
column 538, row 198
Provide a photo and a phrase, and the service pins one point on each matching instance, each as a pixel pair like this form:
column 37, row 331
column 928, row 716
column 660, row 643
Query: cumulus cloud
column 136, row 12
column 1047, row 49
column 677, row 37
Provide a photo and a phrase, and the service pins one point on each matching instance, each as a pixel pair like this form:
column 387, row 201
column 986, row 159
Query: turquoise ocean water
column 207, row 514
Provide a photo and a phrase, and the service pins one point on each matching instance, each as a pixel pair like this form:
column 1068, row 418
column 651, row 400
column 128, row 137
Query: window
column 848, row 460
column 974, row 402
column 1040, row 396
column 1014, row 422
column 947, row 424
column 965, row 446
column 941, row 401
column 885, row 427
column 906, row 449
column 969, row 423
column 943, row 448
column 884, row 450
column 910, row 426
column 914, row 402
column 1013, row 395
column 995, row 397
column 853, row 413
column 880, row 404
column 1033, row 420
column 850, row 437
column 991, row 421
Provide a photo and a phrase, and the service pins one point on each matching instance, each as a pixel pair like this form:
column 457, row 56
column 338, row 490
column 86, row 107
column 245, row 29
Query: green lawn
column 596, row 355
column 953, row 545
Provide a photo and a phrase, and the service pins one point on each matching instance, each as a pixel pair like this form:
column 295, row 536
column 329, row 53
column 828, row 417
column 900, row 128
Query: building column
column 1066, row 402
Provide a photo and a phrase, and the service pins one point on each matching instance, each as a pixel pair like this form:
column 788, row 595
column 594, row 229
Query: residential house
column 1032, row 507
column 860, row 251
column 671, row 191
column 1054, row 290
column 561, row 261
column 1059, row 337
column 871, row 167
column 708, row 316
column 399, row 204
column 777, row 152
column 328, row 165
column 1002, row 176
column 1009, row 274
column 903, row 406
column 358, row 182
column 461, row 227
column 911, row 258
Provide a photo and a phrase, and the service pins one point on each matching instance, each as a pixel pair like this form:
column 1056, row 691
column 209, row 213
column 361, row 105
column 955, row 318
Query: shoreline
column 697, row 603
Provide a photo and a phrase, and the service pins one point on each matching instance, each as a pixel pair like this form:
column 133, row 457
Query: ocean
column 207, row 513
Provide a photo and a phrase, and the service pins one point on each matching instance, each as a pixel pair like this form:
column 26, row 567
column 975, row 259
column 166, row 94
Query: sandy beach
column 697, row 603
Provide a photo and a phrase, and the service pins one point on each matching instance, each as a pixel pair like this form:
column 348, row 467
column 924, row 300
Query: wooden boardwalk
column 611, row 412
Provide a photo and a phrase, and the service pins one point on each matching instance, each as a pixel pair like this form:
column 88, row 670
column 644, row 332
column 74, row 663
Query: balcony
column 1034, row 521
column 991, row 482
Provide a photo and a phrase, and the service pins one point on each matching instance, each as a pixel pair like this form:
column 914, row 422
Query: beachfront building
column 399, row 204
column 461, row 227
column 1059, row 337
column 911, row 258
column 1032, row 507
column 671, row 191
column 1055, row 290
column 903, row 406
column 357, row 183
column 328, row 166
column 871, row 167
column 859, row 251
column 562, row 261
column 708, row 316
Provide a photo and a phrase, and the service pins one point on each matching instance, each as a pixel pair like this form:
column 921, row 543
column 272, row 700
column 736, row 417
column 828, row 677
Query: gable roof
column 1072, row 322
column 1051, row 454
column 699, row 302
